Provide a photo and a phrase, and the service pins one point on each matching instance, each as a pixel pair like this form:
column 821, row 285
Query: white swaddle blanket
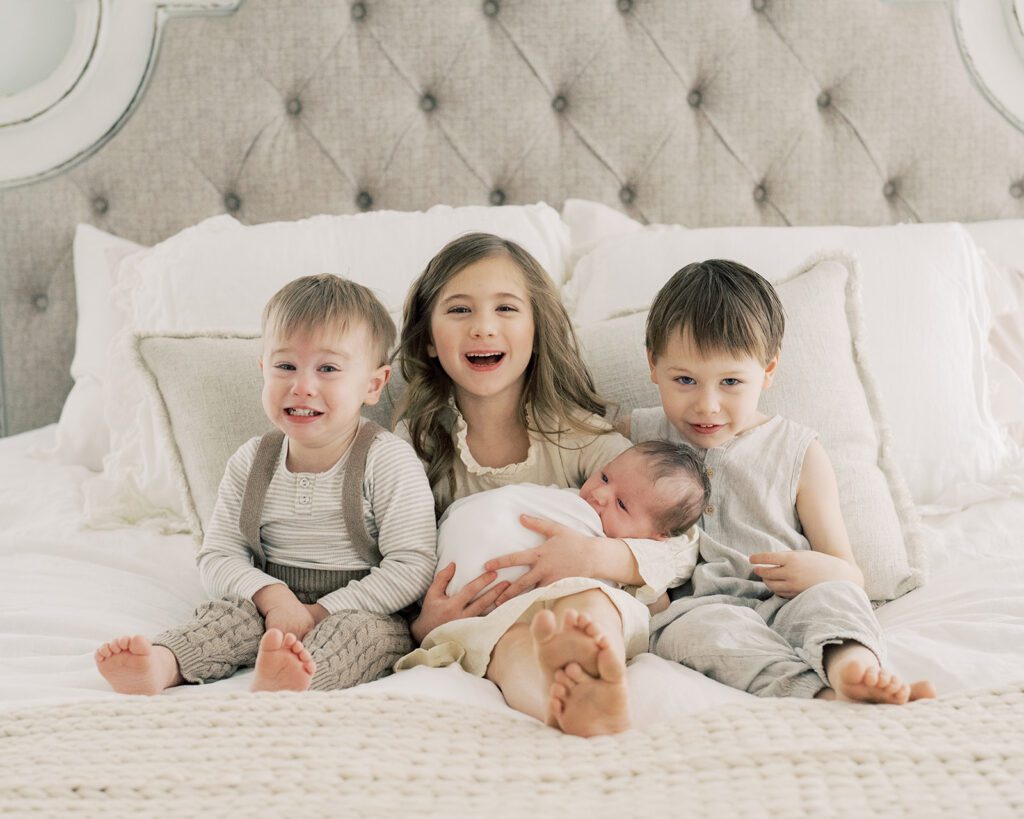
column 486, row 525
column 479, row 527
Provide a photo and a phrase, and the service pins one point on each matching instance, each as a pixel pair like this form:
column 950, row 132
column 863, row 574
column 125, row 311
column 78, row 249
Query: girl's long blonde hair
column 559, row 388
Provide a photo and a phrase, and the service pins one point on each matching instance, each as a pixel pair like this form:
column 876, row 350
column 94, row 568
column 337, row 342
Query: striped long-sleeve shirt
column 302, row 525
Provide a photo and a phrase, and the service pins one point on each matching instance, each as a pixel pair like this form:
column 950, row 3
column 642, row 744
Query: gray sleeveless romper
column 732, row 628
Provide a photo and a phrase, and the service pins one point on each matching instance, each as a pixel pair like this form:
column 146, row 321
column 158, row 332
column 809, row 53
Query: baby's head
column 653, row 490
column 325, row 354
column 714, row 335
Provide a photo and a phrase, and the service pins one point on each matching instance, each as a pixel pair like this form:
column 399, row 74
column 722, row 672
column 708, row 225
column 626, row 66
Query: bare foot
column 283, row 664
column 577, row 639
column 922, row 690
column 587, row 706
column 857, row 682
column 132, row 665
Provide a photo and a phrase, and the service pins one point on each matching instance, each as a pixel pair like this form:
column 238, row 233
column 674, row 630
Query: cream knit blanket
column 356, row 754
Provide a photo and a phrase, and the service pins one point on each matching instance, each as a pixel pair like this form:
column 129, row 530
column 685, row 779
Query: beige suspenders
column 262, row 471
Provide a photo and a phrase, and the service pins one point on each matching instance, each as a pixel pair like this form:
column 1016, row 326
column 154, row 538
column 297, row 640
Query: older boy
column 778, row 607
column 321, row 531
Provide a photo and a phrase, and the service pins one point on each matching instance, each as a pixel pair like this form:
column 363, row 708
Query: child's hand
column 291, row 618
column 793, row 572
column 317, row 612
column 438, row 608
column 565, row 553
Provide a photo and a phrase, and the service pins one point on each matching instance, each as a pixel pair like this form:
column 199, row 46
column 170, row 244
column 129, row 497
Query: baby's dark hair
column 677, row 463
column 314, row 303
column 720, row 305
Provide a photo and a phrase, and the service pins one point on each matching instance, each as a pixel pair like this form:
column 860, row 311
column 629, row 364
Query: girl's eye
column 730, row 382
column 685, row 379
column 283, row 366
column 458, row 309
column 508, row 308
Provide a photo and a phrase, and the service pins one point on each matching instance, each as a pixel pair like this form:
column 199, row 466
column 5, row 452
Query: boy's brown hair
column 680, row 464
column 313, row 303
column 720, row 305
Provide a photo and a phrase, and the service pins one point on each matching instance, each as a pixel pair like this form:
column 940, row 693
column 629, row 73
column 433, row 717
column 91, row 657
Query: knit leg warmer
column 353, row 647
column 222, row 636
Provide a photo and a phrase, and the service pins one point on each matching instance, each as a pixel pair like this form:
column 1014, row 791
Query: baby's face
column 626, row 499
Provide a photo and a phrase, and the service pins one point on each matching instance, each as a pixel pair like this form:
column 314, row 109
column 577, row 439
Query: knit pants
column 349, row 647
column 773, row 647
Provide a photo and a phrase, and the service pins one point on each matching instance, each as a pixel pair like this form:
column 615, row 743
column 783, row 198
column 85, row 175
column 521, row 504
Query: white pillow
column 220, row 273
column 925, row 313
column 823, row 382
column 82, row 433
column 1002, row 242
column 205, row 390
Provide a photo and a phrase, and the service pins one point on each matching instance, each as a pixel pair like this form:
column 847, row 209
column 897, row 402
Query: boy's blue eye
column 284, row 366
column 730, row 382
column 685, row 379
column 328, row 368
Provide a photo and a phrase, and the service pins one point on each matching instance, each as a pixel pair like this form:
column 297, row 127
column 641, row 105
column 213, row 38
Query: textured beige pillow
column 822, row 382
column 206, row 390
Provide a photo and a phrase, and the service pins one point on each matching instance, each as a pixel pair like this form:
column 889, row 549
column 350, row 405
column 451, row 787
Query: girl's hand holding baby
column 789, row 573
column 438, row 608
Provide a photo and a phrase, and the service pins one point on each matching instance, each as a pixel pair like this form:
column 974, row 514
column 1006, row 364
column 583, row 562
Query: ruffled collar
column 474, row 468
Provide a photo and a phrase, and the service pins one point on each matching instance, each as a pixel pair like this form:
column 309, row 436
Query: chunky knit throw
column 374, row 754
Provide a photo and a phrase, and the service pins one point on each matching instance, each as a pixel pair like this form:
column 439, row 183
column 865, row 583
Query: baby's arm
column 817, row 506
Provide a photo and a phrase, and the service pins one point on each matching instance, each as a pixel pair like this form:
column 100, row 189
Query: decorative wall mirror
column 71, row 72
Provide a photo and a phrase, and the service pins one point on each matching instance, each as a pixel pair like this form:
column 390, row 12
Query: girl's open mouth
column 706, row 429
column 484, row 361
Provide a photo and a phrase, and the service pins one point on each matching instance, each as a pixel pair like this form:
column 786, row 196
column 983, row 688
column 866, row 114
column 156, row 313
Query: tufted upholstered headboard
column 705, row 112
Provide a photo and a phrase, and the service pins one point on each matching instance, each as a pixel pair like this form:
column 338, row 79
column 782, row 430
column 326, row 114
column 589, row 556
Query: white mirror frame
column 68, row 116
column 990, row 34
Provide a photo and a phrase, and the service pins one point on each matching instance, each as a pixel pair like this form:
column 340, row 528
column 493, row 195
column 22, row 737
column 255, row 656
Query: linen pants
column 772, row 647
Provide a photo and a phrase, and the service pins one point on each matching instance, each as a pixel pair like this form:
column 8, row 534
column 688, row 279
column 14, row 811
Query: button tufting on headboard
column 703, row 112
column 890, row 189
column 40, row 301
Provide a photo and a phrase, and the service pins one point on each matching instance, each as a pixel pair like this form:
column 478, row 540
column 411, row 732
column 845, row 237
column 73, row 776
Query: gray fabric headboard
column 704, row 112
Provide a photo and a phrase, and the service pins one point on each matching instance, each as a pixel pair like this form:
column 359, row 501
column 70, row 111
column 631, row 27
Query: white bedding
column 64, row 589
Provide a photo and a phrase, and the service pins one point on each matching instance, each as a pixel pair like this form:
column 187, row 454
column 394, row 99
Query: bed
column 761, row 127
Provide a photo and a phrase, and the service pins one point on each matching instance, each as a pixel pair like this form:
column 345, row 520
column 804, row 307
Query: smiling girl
column 498, row 394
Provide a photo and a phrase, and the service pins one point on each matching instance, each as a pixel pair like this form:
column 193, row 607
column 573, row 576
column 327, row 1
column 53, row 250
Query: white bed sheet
column 64, row 589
